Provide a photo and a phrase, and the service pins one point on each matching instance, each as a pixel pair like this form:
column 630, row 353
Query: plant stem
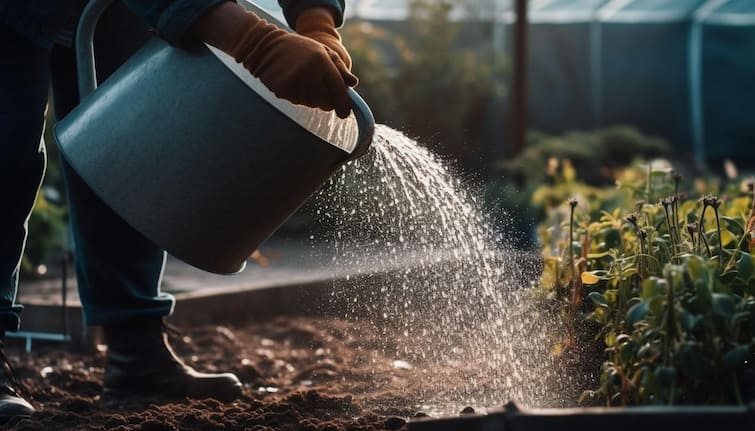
column 571, row 242
column 671, row 233
column 701, row 232
column 649, row 190
column 720, row 242
column 669, row 323
column 641, row 259
column 736, row 250
column 737, row 392
column 707, row 245
column 573, row 282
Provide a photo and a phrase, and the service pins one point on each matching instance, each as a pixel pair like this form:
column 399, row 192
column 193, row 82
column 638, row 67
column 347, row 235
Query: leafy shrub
column 526, row 189
column 666, row 288
column 594, row 154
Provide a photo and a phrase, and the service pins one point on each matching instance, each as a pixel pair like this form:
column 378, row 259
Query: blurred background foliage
column 432, row 81
column 525, row 188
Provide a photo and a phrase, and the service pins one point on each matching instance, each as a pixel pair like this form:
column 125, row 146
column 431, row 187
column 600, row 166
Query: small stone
column 468, row 410
column 248, row 373
column 394, row 423
column 402, row 365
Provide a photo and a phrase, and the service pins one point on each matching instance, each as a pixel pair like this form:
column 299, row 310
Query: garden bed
column 298, row 374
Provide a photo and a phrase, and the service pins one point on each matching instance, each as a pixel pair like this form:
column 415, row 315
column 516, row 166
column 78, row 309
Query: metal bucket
column 195, row 153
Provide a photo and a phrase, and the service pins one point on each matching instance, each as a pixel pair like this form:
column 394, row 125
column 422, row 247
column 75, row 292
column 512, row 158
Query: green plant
column 47, row 229
column 528, row 190
column 667, row 289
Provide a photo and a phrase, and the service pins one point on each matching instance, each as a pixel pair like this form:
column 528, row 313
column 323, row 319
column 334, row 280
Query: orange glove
column 294, row 67
column 318, row 23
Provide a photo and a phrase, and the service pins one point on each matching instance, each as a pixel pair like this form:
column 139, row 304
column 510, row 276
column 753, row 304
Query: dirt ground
column 298, row 374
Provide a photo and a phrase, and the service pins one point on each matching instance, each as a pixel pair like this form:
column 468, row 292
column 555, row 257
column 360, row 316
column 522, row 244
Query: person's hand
column 318, row 23
column 293, row 67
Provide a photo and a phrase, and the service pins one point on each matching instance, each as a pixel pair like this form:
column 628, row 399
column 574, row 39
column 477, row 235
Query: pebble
column 394, row 423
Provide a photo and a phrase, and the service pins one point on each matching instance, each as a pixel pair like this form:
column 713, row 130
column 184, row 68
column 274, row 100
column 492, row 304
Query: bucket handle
column 85, row 45
column 87, row 73
column 365, row 122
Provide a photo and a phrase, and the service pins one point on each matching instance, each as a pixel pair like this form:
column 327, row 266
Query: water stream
column 467, row 334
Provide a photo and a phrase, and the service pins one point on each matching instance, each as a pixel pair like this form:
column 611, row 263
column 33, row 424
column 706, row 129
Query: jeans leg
column 118, row 269
column 24, row 83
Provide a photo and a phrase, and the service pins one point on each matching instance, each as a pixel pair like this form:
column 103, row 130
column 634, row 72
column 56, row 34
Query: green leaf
column 737, row 356
column 656, row 305
column 665, row 375
column 727, row 237
column 637, row 313
column 610, row 339
column 695, row 269
column 585, row 395
column 733, row 225
column 745, row 266
column 627, row 352
column 729, row 276
column 646, row 351
column 688, row 320
column 653, row 286
column 691, row 361
column 598, row 255
column 611, row 295
column 589, row 277
column 598, row 299
column 723, row 306
column 611, row 238
column 741, row 316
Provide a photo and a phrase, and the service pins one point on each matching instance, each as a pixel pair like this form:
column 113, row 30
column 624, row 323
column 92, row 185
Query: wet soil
column 298, row 374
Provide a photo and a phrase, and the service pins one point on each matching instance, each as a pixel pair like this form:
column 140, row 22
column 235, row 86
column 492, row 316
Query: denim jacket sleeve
column 41, row 20
column 292, row 8
column 171, row 18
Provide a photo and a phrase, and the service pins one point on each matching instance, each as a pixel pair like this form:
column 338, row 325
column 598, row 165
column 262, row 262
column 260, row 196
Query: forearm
column 173, row 19
column 220, row 26
column 292, row 9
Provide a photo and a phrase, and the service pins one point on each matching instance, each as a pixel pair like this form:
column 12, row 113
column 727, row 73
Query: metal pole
column 519, row 90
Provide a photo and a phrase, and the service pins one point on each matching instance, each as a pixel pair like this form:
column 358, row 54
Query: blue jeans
column 118, row 269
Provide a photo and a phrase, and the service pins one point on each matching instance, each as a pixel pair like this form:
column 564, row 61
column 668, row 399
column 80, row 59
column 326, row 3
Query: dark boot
column 11, row 403
column 140, row 363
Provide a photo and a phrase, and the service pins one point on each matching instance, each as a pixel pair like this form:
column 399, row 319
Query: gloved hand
column 317, row 23
column 294, row 67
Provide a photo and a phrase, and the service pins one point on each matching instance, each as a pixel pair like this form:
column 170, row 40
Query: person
column 119, row 270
